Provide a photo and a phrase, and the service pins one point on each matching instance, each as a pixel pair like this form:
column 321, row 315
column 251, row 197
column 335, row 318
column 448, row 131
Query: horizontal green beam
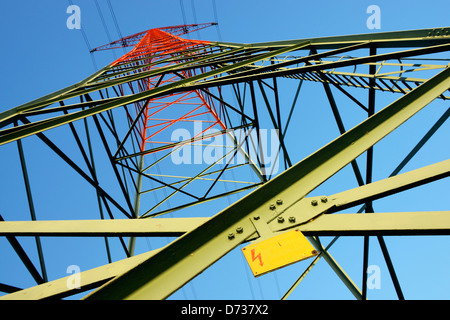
column 273, row 71
column 96, row 228
column 383, row 223
column 393, row 39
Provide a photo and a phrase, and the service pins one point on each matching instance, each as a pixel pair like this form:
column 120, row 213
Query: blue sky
column 41, row 55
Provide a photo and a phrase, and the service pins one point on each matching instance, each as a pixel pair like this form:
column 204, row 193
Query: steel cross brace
column 310, row 215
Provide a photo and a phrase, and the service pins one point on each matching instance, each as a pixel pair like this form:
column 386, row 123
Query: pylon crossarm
column 395, row 39
column 257, row 73
column 204, row 80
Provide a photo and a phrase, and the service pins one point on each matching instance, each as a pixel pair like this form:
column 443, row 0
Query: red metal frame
column 152, row 46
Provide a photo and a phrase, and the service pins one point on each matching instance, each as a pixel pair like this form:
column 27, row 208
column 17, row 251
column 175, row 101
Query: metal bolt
column 272, row 207
column 279, row 202
column 231, row 236
column 256, row 218
column 239, row 229
column 280, row 219
column 292, row 219
column 324, row 199
column 314, row 202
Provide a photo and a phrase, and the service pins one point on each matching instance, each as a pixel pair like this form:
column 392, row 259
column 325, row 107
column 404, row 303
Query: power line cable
column 216, row 20
column 184, row 16
column 115, row 22
column 105, row 26
column 86, row 40
column 195, row 16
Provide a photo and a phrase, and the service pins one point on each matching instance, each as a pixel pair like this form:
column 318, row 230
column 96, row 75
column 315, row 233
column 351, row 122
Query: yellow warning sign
column 277, row 252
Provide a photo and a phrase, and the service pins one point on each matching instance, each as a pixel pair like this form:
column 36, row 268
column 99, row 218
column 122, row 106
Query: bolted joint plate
column 301, row 212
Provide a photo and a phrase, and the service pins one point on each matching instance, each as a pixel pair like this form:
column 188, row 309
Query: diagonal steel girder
column 164, row 273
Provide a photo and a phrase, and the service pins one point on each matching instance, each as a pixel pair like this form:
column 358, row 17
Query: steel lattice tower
column 177, row 124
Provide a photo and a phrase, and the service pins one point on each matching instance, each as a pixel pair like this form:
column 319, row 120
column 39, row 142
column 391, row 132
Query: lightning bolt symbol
column 257, row 257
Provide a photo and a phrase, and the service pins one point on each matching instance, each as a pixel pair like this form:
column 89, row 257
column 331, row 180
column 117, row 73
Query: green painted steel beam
column 45, row 100
column 391, row 185
column 309, row 208
column 394, row 39
column 336, row 268
column 273, row 71
column 89, row 279
column 161, row 275
column 380, row 223
column 97, row 228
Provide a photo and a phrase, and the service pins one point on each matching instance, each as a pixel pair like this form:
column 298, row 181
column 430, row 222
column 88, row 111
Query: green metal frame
column 276, row 204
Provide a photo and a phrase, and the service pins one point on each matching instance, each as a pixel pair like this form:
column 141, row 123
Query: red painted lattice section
column 157, row 48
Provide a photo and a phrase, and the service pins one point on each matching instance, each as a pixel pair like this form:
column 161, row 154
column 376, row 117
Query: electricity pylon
column 176, row 125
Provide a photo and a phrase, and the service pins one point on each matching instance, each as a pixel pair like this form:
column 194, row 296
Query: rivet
column 279, row 202
column 231, row 236
column 292, row 219
column 324, row 199
column 272, row 207
column 256, row 218
column 280, row 219
column 314, row 202
column 239, row 229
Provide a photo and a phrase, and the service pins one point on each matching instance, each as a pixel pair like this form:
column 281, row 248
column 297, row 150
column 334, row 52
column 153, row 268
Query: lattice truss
column 167, row 132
